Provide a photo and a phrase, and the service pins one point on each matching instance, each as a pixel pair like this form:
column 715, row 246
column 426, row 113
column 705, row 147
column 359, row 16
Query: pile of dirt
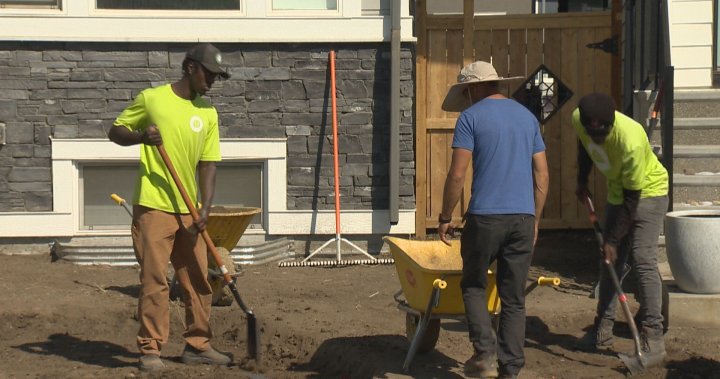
column 60, row 320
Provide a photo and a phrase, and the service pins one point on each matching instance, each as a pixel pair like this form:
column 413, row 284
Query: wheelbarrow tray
column 420, row 263
column 226, row 225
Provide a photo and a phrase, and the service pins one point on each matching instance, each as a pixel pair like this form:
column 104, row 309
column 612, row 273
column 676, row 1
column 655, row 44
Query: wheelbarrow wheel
column 222, row 296
column 429, row 339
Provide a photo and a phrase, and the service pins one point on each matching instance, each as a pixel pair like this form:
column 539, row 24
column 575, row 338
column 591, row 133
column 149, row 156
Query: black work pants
column 507, row 239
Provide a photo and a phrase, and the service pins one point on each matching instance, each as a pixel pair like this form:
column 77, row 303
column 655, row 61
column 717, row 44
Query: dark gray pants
column 509, row 240
column 640, row 248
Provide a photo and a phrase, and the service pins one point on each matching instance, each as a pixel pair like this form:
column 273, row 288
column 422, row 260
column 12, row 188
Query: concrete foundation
column 689, row 309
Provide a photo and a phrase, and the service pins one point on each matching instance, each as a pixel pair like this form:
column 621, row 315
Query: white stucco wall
column 691, row 38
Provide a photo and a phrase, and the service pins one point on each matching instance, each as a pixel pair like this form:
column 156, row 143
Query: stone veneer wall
column 75, row 90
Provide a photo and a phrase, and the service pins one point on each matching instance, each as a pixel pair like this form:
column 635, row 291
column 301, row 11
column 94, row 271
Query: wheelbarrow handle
column 542, row 281
column 545, row 281
column 122, row 202
column 439, row 283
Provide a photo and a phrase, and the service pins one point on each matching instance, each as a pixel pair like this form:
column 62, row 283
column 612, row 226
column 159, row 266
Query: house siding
column 691, row 39
column 75, row 90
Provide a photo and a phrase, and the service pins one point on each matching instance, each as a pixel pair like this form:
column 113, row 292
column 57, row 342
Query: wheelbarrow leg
column 423, row 323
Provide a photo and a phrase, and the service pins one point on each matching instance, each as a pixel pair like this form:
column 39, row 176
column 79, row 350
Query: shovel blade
column 633, row 363
column 253, row 338
column 639, row 363
column 253, row 331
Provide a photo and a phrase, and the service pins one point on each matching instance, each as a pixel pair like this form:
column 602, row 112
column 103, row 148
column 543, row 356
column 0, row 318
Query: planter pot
column 692, row 241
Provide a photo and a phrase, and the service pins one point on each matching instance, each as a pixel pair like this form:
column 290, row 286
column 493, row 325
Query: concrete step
column 696, row 103
column 695, row 194
column 696, row 160
column 702, row 179
column 688, row 136
column 697, row 205
column 696, row 151
column 683, row 123
column 700, row 188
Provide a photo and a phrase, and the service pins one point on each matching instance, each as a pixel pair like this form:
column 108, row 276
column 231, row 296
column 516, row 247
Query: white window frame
column 68, row 154
column 79, row 20
column 93, row 10
column 35, row 11
column 303, row 13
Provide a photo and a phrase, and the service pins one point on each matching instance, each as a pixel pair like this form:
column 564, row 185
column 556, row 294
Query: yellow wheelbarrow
column 430, row 273
column 225, row 225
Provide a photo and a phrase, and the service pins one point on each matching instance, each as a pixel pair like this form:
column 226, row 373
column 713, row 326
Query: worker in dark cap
column 636, row 204
column 179, row 118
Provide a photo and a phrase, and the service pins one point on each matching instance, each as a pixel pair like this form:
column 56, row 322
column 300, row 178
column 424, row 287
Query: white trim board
column 254, row 22
column 64, row 220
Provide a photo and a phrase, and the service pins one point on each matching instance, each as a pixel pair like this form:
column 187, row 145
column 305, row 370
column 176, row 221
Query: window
column 98, row 182
column 170, row 5
column 238, row 184
column 48, row 4
column 305, row 5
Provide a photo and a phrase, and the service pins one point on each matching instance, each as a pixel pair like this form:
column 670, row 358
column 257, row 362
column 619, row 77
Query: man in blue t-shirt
column 509, row 187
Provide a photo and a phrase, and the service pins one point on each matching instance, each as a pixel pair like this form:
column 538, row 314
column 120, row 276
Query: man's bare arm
column 454, row 183
column 541, row 184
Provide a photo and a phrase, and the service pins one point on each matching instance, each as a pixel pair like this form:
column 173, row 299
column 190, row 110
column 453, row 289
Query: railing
column 668, row 99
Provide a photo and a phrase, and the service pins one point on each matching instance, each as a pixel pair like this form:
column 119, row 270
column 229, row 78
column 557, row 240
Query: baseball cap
column 209, row 56
column 599, row 107
column 476, row 72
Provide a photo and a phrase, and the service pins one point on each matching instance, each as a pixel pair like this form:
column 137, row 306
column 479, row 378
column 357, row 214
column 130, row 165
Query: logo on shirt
column 196, row 123
column 599, row 156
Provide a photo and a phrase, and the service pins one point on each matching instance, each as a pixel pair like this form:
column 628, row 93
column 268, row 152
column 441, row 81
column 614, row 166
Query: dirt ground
column 59, row 320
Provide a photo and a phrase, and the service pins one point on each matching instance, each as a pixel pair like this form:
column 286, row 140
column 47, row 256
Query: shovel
column 639, row 361
column 253, row 334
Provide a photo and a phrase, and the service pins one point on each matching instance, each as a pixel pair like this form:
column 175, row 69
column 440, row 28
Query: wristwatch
column 444, row 220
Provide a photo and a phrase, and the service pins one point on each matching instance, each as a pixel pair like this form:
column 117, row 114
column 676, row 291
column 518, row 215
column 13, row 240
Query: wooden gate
column 516, row 45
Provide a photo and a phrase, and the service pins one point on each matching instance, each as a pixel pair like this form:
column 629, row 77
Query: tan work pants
column 159, row 237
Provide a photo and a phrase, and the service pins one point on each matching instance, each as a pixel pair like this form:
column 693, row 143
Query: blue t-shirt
column 502, row 136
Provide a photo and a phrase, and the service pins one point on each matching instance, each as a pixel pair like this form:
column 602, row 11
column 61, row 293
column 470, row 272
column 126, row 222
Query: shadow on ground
column 373, row 356
column 693, row 368
column 99, row 353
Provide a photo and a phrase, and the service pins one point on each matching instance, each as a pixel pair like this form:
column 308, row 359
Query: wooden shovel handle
column 194, row 213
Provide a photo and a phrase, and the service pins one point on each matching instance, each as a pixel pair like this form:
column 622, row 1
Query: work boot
column 151, row 362
column 652, row 341
column 599, row 337
column 477, row 367
column 193, row 356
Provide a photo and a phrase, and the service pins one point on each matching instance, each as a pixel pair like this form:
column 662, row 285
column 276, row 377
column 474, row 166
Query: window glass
column 98, row 182
column 53, row 4
column 304, row 5
column 238, row 184
column 170, row 5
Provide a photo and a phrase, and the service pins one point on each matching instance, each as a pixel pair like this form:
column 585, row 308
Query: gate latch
column 608, row 45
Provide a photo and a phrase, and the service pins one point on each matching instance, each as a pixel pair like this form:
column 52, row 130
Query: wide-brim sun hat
column 477, row 72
